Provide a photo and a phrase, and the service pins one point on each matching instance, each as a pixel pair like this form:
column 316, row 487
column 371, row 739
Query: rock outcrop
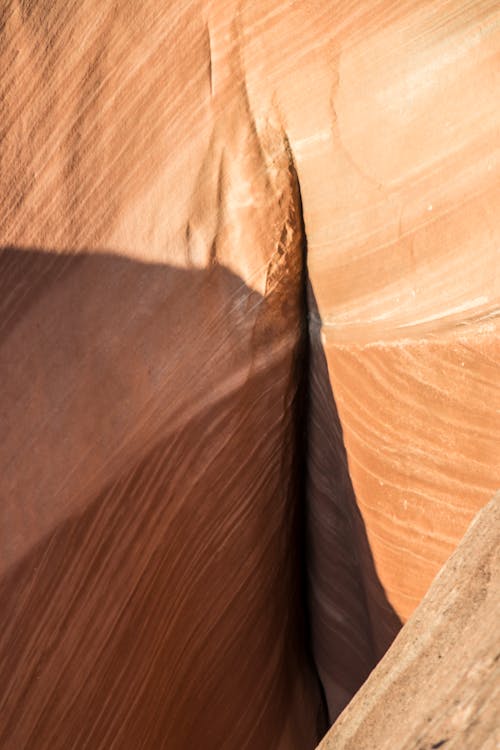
column 249, row 355
column 439, row 683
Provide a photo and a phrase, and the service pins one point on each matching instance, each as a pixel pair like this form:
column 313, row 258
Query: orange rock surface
column 249, row 354
column 439, row 683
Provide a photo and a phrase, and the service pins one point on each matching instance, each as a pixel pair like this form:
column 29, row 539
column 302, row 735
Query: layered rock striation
column 249, row 355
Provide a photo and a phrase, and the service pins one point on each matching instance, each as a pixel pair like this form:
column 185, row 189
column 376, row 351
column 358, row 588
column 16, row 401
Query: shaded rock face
column 352, row 622
column 248, row 356
column 151, row 548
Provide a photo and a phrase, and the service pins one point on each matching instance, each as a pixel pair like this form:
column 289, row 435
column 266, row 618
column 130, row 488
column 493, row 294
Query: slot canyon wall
column 249, row 355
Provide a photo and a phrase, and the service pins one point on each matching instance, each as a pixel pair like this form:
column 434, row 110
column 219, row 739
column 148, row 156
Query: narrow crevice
column 341, row 666
column 302, row 433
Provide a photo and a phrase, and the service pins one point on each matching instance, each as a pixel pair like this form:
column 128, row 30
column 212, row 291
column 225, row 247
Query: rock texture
column 248, row 354
column 439, row 683
column 151, row 557
column 399, row 177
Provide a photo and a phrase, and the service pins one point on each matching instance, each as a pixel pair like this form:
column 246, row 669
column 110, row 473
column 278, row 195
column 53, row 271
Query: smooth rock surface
column 439, row 683
column 401, row 194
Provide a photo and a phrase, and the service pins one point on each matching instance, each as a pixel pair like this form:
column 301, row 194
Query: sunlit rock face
column 438, row 684
column 249, row 355
column 401, row 202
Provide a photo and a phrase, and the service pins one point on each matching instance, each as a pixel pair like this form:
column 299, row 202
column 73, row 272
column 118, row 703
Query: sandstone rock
column 439, row 683
column 150, row 550
column 199, row 488
column 399, row 176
